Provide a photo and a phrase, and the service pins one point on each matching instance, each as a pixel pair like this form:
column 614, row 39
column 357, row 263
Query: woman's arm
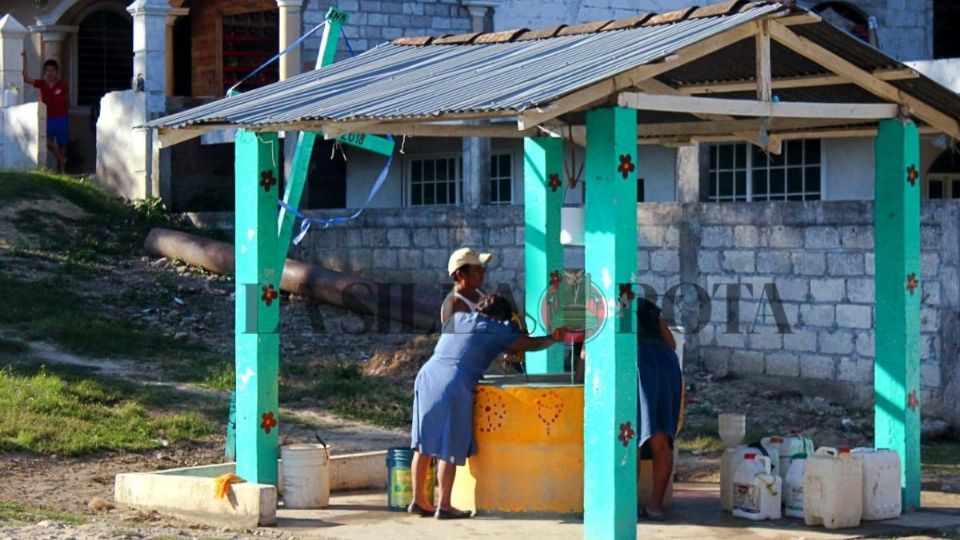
column 529, row 343
column 667, row 335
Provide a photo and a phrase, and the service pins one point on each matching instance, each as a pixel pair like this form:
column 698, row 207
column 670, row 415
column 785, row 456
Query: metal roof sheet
column 397, row 81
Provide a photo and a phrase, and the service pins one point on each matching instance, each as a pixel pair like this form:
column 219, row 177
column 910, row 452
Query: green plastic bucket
column 400, row 479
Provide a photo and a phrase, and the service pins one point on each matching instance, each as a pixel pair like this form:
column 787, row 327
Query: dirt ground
column 196, row 305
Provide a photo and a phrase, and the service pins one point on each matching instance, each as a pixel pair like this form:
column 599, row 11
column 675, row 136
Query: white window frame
column 495, row 179
column 749, row 195
column 408, row 180
column 948, row 179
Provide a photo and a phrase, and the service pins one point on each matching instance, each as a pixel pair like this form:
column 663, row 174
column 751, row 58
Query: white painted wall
column 23, row 136
column 121, row 150
column 945, row 72
column 848, row 169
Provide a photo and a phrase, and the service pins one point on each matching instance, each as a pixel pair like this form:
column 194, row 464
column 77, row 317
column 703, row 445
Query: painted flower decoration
column 626, row 296
column 555, row 280
column 912, row 282
column 626, row 165
column 269, row 422
column 912, row 175
column 626, row 433
column 912, row 401
column 269, row 294
column 554, row 182
column 267, row 180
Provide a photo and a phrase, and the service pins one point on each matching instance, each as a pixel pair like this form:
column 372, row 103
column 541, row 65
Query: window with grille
column 436, row 181
column 104, row 56
column 501, row 179
column 943, row 186
column 739, row 173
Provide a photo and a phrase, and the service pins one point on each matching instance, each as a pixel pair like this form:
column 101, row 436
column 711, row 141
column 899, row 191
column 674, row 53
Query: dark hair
column 51, row 62
column 496, row 307
column 463, row 268
column 648, row 319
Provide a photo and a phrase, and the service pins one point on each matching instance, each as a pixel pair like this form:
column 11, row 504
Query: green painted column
column 543, row 255
column 610, row 387
column 257, row 306
column 898, row 292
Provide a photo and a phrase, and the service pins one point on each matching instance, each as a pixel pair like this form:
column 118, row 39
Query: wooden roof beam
column 780, row 83
column 864, row 79
column 744, row 107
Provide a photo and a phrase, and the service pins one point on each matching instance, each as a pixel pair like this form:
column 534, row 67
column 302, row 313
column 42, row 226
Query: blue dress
column 444, row 390
column 660, row 380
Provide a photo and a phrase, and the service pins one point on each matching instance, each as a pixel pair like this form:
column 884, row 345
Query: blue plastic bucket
column 400, row 479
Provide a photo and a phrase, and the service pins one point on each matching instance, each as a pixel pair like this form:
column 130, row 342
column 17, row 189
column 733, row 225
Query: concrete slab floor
column 696, row 515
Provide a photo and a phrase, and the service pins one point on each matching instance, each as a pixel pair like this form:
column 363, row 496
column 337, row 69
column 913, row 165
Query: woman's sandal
column 642, row 513
column 453, row 513
column 415, row 508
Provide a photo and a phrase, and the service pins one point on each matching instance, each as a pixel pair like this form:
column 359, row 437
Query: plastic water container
column 833, row 489
column 773, row 445
column 793, row 445
column 732, row 427
column 306, row 476
column 756, row 490
column 793, row 486
column 728, row 468
column 400, row 479
column 881, row 483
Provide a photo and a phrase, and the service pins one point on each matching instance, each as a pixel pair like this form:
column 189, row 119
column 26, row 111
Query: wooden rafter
column 864, row 79
column 781, row 83
column 764, row 87
column 766, row 109
column 608, row 87
column 823, row 133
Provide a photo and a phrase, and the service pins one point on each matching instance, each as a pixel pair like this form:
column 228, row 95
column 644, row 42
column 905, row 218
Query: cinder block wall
column 817, row 256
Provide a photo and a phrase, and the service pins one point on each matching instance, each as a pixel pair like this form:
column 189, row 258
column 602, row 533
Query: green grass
column 65, row 413
column 942, row 458
column 13, row 514
column 701, row 444
column 345, row 390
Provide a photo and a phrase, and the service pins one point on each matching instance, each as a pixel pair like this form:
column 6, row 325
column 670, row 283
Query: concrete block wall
column 816, row 257
column 23, row 136
column 373, row 22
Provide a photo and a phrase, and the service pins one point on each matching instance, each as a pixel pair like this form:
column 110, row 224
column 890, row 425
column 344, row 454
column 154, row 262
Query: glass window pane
column 935, row 189
column 741, row 178
column 726, row 156
column 505, row 190
column 776, row 182
column 812, row 151
column 429, row 195
column 812, row 180
column 811, row 197
column 713, row 156
column 416, row 194
column 777, row 160
column 494, row 166
column 795, row 180
column 452, row 169
column 794, row 151
column 416, row 171
column 741, row 156
column 429, row 171
column 797, row 197
column 442, row 193
column 760, row 185
column 759, row 157
column 713, row 184
column 956, row 190
column 726, row 183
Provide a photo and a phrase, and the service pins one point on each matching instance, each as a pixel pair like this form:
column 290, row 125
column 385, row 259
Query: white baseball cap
column 466, row 255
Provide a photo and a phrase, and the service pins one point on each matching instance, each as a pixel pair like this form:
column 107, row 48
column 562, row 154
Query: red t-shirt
column 54, row 97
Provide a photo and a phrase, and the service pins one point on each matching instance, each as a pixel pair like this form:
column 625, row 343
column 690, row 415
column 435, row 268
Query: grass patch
column 345, row 390
column 699, row 444
column 942, row 459
column 13, row 514
column 44, row 412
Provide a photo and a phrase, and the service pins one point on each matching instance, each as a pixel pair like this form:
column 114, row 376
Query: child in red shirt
column 56, row 96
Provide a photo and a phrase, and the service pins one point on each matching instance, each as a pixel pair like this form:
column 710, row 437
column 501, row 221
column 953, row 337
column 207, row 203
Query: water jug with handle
column 833, row 489
column 756, row 490
column 793, row 444
column 881, row 483
column 773, row 445
column 793, row 486
column 728, row 468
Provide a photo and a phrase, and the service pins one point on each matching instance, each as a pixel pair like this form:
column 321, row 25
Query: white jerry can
column 793, row 486
column 756, row 490
column 773, row 445
column 833, row 489
column 881, row 483
column 793, row 445
column 728, row 468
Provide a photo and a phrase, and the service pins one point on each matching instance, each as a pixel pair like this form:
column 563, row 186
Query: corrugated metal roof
column 390, row 81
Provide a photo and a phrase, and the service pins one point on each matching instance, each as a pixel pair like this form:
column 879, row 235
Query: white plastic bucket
column 881, row 483
column 306, row 476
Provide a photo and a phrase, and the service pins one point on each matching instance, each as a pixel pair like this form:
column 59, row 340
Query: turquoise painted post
column 898, row 291
column 543, row 255
column 610, row 388
column 257, row 306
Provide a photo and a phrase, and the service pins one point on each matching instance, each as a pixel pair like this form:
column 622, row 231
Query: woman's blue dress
column 444, row 390
column 660, row 380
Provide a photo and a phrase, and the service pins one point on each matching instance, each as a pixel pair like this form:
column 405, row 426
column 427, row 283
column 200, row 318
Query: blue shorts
column 57, row 130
